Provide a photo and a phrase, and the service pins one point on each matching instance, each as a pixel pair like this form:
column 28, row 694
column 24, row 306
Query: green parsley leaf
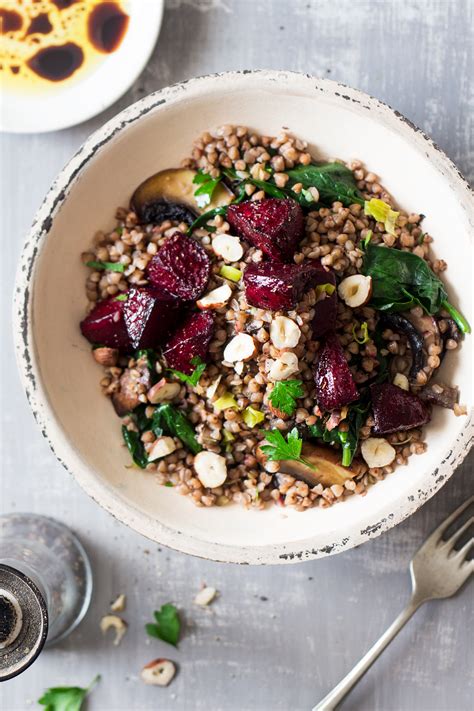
column 280, row 449
column 193, row 379
column 284, row 394
column 207, row 186
column 107, row 266
column 66, row 698
column 121, row 297
column 168, row 624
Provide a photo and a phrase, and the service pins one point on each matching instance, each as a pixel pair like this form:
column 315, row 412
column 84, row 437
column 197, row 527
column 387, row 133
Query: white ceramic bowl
column 61, row 378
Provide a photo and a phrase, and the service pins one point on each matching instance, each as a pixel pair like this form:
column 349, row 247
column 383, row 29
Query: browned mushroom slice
column 440, row 394
column 169, row 195
column 422, row 332
column 328, row 469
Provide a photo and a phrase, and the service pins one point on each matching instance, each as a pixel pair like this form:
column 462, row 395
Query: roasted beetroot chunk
column 335, row 385
column 396, row 410
column 105, row 325
column 181, row 267
column 149, row 316
column 277, row 286
column 275, row 226
column 190, row 340
column 325, row 309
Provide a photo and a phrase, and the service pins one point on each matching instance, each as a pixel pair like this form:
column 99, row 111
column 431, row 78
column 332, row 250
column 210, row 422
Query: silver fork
column 436, row 572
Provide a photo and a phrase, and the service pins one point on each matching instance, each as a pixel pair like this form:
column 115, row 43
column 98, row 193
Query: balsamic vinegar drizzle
column 50, row 40
column 107, row 25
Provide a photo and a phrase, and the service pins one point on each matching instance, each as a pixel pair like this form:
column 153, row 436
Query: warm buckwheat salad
column 270, row 327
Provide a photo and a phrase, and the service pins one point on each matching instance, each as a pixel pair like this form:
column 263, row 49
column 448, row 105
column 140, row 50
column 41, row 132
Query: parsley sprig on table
column 193, row 379
column 284, row 394
column 167, row 626
column 66, row 698
column 279, row 449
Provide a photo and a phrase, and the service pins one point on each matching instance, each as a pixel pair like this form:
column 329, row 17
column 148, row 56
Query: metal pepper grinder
column 45, row 587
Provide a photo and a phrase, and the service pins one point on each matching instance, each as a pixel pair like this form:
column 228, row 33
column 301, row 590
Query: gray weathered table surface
column 279, row 637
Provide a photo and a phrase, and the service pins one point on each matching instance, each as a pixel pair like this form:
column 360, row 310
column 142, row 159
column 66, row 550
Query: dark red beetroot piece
column 105, row 325
column 335, row 385
column 277, row 286
column 181, row 267
column 149, row 316
column 396, row 410
column 190, row 340
column 325, row 309
column 275, row 226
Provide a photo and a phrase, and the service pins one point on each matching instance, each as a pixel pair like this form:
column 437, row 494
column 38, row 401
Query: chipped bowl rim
column 51, row 429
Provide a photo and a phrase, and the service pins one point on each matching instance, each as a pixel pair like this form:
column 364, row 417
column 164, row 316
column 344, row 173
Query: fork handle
column 330, row 702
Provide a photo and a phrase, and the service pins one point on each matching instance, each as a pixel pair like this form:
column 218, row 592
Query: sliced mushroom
column 426, row 325
column 328, row 469
column 133, row 383
column 440, row 394
column 399, row 323
column 449, row 331
column 421, row 331
column 169, row 195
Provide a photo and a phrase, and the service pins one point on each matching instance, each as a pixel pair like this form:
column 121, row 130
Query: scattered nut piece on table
column 115, row 622
column 119, row 604
column 159, row 672
column 205, row 596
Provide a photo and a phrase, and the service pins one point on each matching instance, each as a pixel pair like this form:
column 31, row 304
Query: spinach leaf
column 304, row 198
column 169, row 419
column 206, row 216
column 401, row 280
column 140, row 418
column 107, row 266
column 135, row 447
column 347, row 439
column 165, row 418
column 334, row 181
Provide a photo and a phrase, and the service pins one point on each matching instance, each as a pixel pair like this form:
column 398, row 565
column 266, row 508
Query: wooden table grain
column 277, row 638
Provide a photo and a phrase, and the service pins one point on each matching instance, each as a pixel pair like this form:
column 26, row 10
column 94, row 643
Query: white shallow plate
column 69, row 104
column 61, row 378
